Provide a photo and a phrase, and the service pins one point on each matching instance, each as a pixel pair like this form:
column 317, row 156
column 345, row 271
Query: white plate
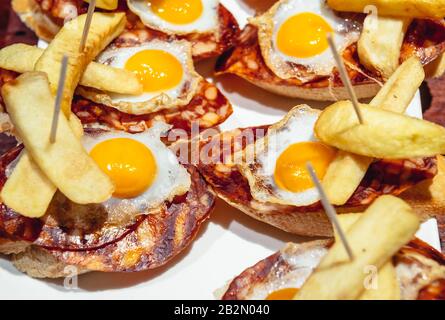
column 224, row 247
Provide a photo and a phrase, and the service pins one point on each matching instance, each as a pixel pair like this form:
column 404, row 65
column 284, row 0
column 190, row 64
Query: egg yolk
column 157, row 70
column 177, row 11
column 283, row 294
column 303, row 35
column 290, row 169
column 128, row 163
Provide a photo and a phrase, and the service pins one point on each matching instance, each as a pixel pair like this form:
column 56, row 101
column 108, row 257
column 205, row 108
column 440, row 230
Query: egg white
column 171, row 177
column 345, row 33
column 118, row 57
column 300, row 264
column 297, row 127
column 207, row 22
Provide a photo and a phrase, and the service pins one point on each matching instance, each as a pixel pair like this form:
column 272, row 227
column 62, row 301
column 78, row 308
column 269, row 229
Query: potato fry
column 31, row 199
column 384, row 135
column 106, row 4
column 347, row 170
column 66, row 164
column 386, row 279
column 399, row 8
column 380, row 43
column 400, row 89
column 107, row 27
column 28, row 191
column 104, row 28
column 344, row 175
column 22, row 58
column 338, row 278
column 19, row 57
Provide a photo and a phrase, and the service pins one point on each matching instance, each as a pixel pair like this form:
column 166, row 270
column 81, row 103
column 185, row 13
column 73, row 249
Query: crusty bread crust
column 11, row 246
column 362, row 91
column 427, row 199
column 39, row 263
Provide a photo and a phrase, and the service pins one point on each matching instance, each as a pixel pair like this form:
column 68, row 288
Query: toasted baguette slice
column 316, row 224
column 427, row 200
column 362, row 91
column 46, row 24
column 246, row 61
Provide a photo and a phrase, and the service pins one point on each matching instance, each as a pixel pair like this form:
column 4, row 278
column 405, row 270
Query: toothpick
column 330, row 210
column 345, row 78
column 59, row 97
column 86, row 28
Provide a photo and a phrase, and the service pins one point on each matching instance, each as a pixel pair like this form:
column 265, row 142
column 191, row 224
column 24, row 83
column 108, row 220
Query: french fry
column 337, row 277
column 344, row 175
column 31, row 199
column 107, row 27
column 104, row 28
column 399, row 8
column 28, row 191
column 22, row 58
column 384, row 135
column 106, row 4
column 347, row 170
column 400, row 89
column 66, row 164
column 386, row 279
column 380, row 43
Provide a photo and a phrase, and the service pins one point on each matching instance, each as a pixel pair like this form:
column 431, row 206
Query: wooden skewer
column 330, row 210
column 86, row 28
column 59, row 97
column 345, row 78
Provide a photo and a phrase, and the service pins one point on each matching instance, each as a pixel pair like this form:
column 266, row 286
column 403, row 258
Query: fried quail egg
column 144, row 171
column 165, row 69
column 279, row 276
column 293, row 38
column 177, row 16
column 277, row 173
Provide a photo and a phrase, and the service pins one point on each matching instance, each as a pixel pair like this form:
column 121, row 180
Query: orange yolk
column 157, row 70
column 177, row 11
column 283, row 294
column 303, row 35
column 290, row 170
column 128, row 163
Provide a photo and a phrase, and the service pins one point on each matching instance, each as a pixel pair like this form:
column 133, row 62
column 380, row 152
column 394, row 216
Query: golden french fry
column 400, row 89
column 380, row 43
column 22, row 58
column 31, row 199
column 67, row 165
column 384, row 135
column 347, row 170
column 106, row 4
column 104, row 28
column 344, row 175
column 28, row 191
column 337, row 277
column 387, row 285
column 19, row 57
column 398, row 8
